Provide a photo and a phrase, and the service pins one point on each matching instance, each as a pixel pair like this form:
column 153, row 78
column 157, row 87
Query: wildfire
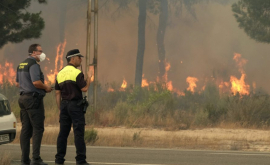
column 110, row 90
column 58, row 62
column 122, row 88
column 192, row 83
column 169, row 86
column 239, row 85
column 145, row 83
column 7, row 73
column 234, row 86
column 167, row 68
column 91, row 69
column 124, row 84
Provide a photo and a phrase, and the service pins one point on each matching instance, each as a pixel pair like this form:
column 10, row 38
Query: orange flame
column 110, row 90
column 239, row 85
column 58, row 62
column 124, row 84
column 240, row 61
column 144, row 82
column 167, row 68
column 7, row 73
column 169, row 86
column 92, row 71
column 192, row 83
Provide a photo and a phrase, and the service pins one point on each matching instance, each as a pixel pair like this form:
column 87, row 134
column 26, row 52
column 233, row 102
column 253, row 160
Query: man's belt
column 34, row 94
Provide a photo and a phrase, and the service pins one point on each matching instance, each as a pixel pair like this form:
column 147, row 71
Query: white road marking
column 73, row 162
column 247, row 154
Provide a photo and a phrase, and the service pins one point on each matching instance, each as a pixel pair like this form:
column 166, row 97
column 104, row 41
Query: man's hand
column 48, row 89
column 88, row 80
column 89, row 73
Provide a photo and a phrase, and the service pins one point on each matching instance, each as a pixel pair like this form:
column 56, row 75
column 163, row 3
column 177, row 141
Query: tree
column 163, row 17
column 254, row 18
column 17, row 24
column 142, row 5
column 141, row 42
column 165, row 9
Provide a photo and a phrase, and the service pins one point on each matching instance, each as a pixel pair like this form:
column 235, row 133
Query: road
column 146, row 156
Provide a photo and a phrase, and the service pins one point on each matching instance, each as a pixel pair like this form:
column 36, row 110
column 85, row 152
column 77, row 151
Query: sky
column 201, row 46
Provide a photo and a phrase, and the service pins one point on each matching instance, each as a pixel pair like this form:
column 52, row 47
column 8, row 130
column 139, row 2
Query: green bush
column 90, row 136
column 121, row 111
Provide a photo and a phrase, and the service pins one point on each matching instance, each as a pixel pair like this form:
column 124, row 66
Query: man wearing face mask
column 30, row 80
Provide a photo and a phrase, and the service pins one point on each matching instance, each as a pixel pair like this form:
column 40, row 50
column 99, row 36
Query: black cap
column 74, row 52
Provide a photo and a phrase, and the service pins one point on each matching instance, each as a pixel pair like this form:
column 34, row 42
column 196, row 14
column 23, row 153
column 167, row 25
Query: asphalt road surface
column 146, row 156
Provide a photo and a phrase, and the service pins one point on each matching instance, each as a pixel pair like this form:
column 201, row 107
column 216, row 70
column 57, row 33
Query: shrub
column 91, row 136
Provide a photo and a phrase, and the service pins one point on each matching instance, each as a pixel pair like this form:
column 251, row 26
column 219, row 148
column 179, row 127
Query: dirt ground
column 208, row 138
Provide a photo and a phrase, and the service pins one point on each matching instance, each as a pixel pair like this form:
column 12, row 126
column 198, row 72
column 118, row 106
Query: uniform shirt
column 27, row 72
column 70, row 81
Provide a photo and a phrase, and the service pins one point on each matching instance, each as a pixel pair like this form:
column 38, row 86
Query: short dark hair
column 68, row 59
column 32, row 48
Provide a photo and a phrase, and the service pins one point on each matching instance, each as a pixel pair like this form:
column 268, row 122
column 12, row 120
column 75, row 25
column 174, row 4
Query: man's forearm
column 38, row 84
column 88, row 80
column 58, row 98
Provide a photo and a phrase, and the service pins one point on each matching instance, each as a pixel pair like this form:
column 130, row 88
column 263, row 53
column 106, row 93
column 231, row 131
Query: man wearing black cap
column 69, row 86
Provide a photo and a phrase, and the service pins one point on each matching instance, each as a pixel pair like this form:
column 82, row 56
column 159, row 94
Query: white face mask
column 42, row 57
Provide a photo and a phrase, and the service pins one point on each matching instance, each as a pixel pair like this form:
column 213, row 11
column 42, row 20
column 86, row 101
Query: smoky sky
column 199, row 47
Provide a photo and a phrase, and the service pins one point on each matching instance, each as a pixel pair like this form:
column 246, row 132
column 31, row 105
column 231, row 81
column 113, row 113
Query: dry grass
column 210, row 138
column 5, row 159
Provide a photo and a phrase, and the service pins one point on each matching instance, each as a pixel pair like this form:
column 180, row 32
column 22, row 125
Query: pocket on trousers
column 36, row 103
column 28, row 102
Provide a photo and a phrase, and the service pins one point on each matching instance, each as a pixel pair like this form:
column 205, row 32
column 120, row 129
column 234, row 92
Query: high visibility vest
column 67, row 74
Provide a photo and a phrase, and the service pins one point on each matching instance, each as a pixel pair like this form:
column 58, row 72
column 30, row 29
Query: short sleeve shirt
column 28, row 72
column 70, row 84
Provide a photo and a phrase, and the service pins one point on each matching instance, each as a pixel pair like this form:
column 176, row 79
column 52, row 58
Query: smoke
column 203, row 47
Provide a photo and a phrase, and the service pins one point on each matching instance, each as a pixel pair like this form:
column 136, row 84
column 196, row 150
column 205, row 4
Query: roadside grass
column 155, row 107
column 5, row 159
column 208, row 138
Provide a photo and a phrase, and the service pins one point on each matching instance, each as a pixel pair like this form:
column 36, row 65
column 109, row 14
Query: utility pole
column 88, row 39
column 88, row 46
column 95, row 52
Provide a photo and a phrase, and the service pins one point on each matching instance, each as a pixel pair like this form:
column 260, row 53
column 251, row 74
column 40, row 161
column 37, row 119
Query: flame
column 144, row 82
column 58, row 62
column 167, row 68
column 7, row 73
column 169, row 86
column 110, row 90
column 240, row 61
column 192, row 83
column 91, row 69
column 124, row 84
column 239, row 85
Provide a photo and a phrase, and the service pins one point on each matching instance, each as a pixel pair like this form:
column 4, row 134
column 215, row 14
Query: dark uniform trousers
column 71, row 114
column 32, row 119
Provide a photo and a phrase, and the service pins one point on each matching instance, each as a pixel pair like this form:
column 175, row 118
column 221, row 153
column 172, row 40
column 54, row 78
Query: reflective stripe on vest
column 69, row 73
